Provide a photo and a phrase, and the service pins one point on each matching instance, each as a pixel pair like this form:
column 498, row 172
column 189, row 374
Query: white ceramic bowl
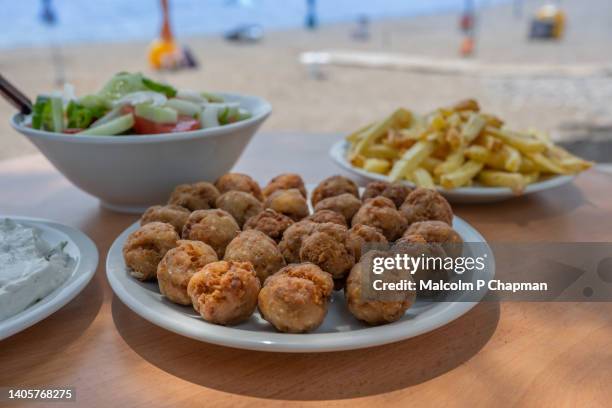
column 81, row 248
column 131, row 173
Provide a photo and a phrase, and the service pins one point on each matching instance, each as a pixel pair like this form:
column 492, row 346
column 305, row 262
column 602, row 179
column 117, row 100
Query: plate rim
column 293, row 343
column 338, row 150
column 83, row 272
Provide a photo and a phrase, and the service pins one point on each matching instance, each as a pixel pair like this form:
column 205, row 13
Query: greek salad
column 132, row 104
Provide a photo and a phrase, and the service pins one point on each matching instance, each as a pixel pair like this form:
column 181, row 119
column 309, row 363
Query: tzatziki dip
column 30, row 267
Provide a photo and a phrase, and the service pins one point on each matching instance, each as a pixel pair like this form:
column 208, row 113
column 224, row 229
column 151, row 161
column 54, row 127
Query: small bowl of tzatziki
column 43, row 265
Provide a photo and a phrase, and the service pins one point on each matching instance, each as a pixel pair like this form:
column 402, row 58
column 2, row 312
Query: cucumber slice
column 156, row 114
column 184, row 107
column 211, row 97
column 39, row 115
column 57, row 114
column 113, row 127
column 244, row 114
column 209, row 117
column 122, row 84
column 93, row 101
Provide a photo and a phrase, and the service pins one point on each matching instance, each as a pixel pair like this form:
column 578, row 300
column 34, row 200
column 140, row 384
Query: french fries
column 495, row 178
column 422, row 178
column 453, row 162
column 411, row 159
column 461, row 176
column 456, row 146
column 376, row 165
column 399, row 118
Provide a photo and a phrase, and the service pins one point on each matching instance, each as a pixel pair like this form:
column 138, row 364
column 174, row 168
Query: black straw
column 15, row 96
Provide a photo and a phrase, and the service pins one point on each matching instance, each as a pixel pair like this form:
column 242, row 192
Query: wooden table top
column 527, row 354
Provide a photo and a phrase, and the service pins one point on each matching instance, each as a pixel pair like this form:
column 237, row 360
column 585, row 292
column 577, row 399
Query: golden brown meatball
column 213, row 227
column 270, row 222
column 224, row 292
column 179, row 265
column 438, row 232
column 333, row 186
column 425, row 204
column 396, row 192
column 411, row 239
column 327, row 247
column 289, row 202
column 240, row 205
column 294, row 300
column 291, row 243
column 145, row 248
column 238, row 182
column 257, row 248
column 380, row 212
column 414, row 245
column 322, row 216
column 174, row 215
column 374, row 311
column 198, row 196
column 345, row 204
column 361, row 235
column 285, row 181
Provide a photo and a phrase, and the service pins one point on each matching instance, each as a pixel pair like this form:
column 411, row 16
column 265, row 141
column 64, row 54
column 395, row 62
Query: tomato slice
column 144, row 126
column 72, row 131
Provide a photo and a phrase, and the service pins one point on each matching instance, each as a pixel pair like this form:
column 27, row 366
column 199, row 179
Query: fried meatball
column 438, row 232
column 333, row 186
column 257, row 248
column 285, row 181
column 239, row 182
column 198, row 196
column 327, row 247
column 270, row 222
column 145, row 248
column 289, row 202
column 174, row 215
column 213, row 227
column 224, row 292
column 294, row 300
column 414, row 245
column 179, row 265
column 374, row 312
column 321, row 216
column 240, row 205
column 396, row 192
column 291, row 243
column 425, row 204
column 411, row 239
column 345, row 204
column 361, row 235
column 380, row 212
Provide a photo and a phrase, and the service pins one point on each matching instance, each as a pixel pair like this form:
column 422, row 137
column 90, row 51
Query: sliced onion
column 110, row 115
column 135, row 98
column 223, row 105
column 189, row 95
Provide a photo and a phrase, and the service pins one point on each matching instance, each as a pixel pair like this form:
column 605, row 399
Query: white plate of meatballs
column 278, row 269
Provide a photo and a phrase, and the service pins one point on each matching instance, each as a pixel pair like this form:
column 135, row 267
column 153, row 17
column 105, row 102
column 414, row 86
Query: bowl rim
column 262, row 105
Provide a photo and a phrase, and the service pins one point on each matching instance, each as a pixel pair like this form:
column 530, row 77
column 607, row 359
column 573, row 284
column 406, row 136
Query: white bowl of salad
column 132, row 142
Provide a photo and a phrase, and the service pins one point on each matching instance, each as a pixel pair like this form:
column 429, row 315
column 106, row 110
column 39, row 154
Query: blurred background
column 329, row 66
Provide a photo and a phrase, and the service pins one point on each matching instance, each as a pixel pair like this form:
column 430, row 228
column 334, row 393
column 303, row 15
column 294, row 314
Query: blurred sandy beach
column 346, row 97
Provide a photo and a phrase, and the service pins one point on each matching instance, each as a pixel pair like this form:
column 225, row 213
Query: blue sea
column 78, row 21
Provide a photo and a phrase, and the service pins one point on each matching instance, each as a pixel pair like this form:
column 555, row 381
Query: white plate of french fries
column 467, row 155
